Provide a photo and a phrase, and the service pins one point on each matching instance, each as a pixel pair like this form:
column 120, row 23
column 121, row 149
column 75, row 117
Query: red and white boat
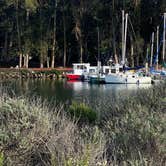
column 79, row 72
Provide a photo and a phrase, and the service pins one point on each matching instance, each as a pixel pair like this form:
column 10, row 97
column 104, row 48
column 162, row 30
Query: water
column 62, row 91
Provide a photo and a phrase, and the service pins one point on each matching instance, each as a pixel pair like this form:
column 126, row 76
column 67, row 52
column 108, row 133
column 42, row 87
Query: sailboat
column 119, row 75
column 161, row 72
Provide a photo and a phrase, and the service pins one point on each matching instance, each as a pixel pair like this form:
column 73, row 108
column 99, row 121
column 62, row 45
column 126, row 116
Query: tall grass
column 130, row 131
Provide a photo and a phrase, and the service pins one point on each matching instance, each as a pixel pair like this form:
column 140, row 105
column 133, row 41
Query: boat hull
column 73, row 77
column 123, row 79
column 96, row 79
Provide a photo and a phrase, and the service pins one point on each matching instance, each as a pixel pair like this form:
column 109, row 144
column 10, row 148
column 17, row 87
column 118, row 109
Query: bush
column 82, row 112
column 131, row 132
column 1, row 159
column 34, row 135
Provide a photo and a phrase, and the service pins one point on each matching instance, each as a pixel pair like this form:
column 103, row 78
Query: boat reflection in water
column 80, row 86
column 63, row 91
column 102, row 93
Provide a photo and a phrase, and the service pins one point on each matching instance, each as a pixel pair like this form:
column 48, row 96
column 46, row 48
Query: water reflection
column 65, row 90
column 81, row 86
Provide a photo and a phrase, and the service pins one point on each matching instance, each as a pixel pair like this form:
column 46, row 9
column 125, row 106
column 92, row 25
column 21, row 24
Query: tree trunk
column 27, row 61
column 54, row 38
column 18, row 36
column 26, row 56
column 41, row 61
column 113, row 32
column 53, row 55
column 20, row 59
column 64, row 37
column 48, row 62
column 81, row 51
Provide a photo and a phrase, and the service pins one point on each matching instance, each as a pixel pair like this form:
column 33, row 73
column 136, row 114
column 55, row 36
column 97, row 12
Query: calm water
column 63, row 90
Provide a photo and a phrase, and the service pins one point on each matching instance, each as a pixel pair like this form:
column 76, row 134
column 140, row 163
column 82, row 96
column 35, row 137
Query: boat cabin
column 80, row 68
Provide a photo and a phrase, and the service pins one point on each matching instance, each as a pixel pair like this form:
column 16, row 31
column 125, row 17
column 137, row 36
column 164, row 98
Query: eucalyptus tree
column 80, row 9
column 54, row 40
column 64, row 8
column 3, row 30
column 30, row 8
column 7, row 26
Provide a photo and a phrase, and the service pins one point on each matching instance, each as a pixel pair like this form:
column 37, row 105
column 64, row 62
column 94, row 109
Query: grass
column 130, row 131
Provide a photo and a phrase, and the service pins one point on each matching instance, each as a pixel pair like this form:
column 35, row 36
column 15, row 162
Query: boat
column 127, row 78
column 118, row 74
column 154, row 70
column 97, row 79
column 78, row 72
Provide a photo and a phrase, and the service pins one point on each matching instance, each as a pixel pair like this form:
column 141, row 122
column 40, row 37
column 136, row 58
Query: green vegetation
column 82, row 112
column 130, row 131
column 1, row 159
column 27, row 73
column 58, row 32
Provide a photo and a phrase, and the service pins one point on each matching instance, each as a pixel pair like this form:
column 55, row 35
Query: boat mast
column 98, row 51
column 157, row 58
column 123, row 19
column 125, row 36
column 164, row 37
column 152, row 44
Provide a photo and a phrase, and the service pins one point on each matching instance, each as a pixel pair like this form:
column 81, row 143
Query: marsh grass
column 130, row 131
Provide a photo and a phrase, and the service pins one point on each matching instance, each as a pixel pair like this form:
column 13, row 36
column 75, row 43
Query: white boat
column 127, row 78
column 117, row 73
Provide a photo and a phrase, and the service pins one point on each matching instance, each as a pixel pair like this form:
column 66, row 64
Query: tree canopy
column 49, row 33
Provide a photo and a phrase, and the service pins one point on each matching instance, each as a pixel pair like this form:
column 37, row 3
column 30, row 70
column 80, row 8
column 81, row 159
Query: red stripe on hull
column 73, row 77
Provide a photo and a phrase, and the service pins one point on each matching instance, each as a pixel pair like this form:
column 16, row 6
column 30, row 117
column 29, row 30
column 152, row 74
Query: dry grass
column 129, row 132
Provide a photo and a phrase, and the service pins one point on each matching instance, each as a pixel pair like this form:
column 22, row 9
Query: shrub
column 32, row 134
column 82, row 112
column 1, row 159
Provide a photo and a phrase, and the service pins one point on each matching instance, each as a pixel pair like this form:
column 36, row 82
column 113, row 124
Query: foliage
column 82, row 112
column 136, row 127
column 130, row 131
column 32, row 134
column 1, row 159
column 28, row 27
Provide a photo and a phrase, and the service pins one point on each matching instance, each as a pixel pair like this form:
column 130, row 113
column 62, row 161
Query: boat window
column 92, row 70
column 106, row 71
column 113, row 71
column 120, row 69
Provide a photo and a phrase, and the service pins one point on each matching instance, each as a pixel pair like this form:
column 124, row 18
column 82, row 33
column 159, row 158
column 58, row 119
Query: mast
column 164, row 37
column 151, row 57
column 125, row 36
column 157, row 58
column 98, row 50
column 123, row 19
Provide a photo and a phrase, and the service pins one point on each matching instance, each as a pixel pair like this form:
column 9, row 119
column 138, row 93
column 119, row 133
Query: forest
column 51, row 33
